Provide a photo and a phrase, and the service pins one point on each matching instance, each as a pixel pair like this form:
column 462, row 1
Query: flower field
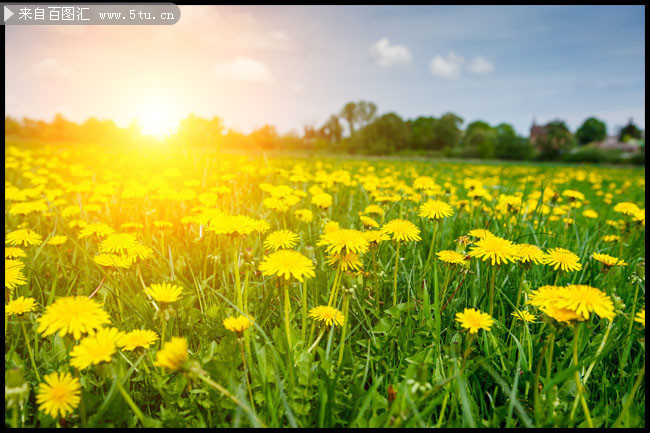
column 178, row 288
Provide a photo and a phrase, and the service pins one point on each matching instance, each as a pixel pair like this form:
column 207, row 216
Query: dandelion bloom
column 112, row 260
column 449, row 256
column 97, row 229
column 281, row 239
column 474, row 320
column 173, row 354
column 95, row 348
column 368, row 222
column 608, row 260
column 348, row 262
column 235, row 225
column 496, row 250
column 626, row 208
column 74, row 315
column 546, row 299
column 572, row 194
column 137, row 338
column 375, row 236
column 304, row 215
column 14, row 274
column 373, row 209
column 287, row 263
column 435, row 209
column 611, row 238
column 237, row 324
column 19, row 306
column 59, row 394
column 590, row 213
column 14, row 253
column 329, row 315
column 529, row 253
column 322, row 200
column 164, row 292
column 585, row 299
column 640, row 317
column 563, row 259
column 402, row 230
column 57, row 240
column 23, row 237
column 344, row 240
column 118, row 243
column 524, row 316
column 480, row 233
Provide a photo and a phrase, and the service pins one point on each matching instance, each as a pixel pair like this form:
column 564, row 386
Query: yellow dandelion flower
column 287, row 263
column 473, row 320
column 329, row 315
column 524, row 316
column 73, row 315
column 322, row 200
column 237, row 324
column 57, row 240
column 112, row 260
column 349, row 262
column 344, row 240
column 402, row 230
column 118, row 243
column 435, row 209
column 626, row 208
column 480, row 233
column 20, row 306
column 14, row 274
column 164, row 292
column 304, row 215
column 95, row 348
column 98, row 229
column 173, row 355
column 368, row 222
column 586, row 299
column 640, row 317
column 375, row 236
column 611, row 238
column 373, row 209
column 281, row 239
column 14, row 253
column 58, row 395
column 449, row 256
column 527, row 253
column 23, row 237
column 563, row 259
column 608, row 260
column 137, row 338
column 590, row 213
column 495, row 249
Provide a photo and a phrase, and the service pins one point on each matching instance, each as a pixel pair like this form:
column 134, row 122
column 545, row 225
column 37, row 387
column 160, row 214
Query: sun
column 156, row 120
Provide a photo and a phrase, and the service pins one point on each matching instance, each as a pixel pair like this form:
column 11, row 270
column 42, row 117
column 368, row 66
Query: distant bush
column 594, row 155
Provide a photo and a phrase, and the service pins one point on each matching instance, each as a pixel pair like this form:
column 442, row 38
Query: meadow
column 164, row 287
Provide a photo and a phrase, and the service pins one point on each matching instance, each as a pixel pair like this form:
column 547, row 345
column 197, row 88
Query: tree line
column 358, row 128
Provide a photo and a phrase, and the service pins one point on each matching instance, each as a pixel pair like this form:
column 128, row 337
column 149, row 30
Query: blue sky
column 294, row 65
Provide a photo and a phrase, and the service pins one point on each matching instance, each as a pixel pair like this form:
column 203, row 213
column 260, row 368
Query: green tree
column 447, row 132
column 557, row 141
column 365, row 112
column 386, row 134
column 349, row 114
column 332, row 129
column 511, row 146
column 479, row 140
column 421, row 133
column 629, row 131
column 591, row 130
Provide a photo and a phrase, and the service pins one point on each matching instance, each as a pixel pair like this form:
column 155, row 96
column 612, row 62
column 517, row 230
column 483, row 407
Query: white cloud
column 480, row 66
column 243, row 69
column 447, row 68
column 51, row 67
column 387, row 55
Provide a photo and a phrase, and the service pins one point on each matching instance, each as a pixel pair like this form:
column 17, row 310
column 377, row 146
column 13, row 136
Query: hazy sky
column 295, row 65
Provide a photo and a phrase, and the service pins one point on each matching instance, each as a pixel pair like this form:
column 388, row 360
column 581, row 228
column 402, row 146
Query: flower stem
column 585, row 408
column 287, row 309
column 248, row 382
column 395, row 275
column 317, row 340
column 493, row 277
column 29, row 349
column 346, row 307
column 337, row 276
